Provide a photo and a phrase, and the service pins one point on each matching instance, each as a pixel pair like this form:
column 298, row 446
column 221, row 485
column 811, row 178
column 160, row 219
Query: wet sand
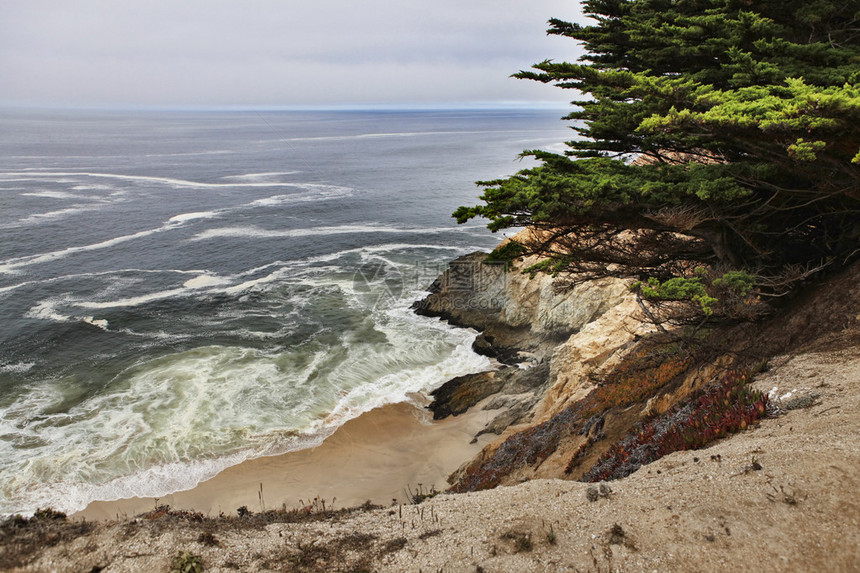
column 373, row 457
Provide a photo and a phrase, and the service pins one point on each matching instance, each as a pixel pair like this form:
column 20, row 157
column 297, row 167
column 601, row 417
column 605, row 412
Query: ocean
column 183, row 291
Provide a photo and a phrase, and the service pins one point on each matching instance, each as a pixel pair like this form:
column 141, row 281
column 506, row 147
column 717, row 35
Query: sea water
column 182, row 291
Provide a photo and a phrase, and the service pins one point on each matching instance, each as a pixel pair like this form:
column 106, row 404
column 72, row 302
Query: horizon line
column 410, row 106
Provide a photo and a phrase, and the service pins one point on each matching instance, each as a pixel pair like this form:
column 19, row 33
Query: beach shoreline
column 374, row 457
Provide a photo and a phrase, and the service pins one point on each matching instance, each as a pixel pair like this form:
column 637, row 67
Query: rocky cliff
column 579, row 369
column 520, row 317
column 552, row 341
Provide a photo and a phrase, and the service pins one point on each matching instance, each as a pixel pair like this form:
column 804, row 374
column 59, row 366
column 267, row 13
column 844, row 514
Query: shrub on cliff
column 723, row 408
column 713, row 134
column 642, row 374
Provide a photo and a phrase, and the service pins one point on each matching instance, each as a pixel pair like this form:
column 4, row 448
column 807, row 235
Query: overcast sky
column 277, row 53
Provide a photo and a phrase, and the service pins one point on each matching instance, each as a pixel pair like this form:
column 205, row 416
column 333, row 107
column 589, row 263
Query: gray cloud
column 268, row 52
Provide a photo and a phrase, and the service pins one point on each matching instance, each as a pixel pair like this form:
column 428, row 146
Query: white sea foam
column 12, row 265
column 312, row 192
column 263, row 175
column 169, row 402
column 133, row 301
column 284, row 269
column 270, row 201
column 99, row 322
column 10, row 288
column 158, row 335
column 93, row 187
column 397, row 386
column 111, row 273
column 47, row 310
column 388, row 247
column 193, row 153
column 204, row 281
column 395, row 134
column 53, row 195
column 37, row 218
column 153, row 482
column 170, row 412
column 185, row 217
column 17, row 367
column 258, row 233
column 60, row 176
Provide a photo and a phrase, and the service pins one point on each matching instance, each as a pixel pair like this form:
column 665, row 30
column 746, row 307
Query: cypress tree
column 717, row 144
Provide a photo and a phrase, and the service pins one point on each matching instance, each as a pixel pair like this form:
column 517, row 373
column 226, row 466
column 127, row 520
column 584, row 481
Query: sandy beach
column 375, row 457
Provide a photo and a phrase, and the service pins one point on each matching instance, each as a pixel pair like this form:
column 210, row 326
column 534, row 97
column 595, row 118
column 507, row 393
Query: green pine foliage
column 715, row 133
column 678, row 289
column 700, row 296
column 506, row 253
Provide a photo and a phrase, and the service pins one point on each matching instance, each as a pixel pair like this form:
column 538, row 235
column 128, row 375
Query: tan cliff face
column 580, row 336
column 541, row 305
column 515, row 309
column 576, row 329
column 597, row 347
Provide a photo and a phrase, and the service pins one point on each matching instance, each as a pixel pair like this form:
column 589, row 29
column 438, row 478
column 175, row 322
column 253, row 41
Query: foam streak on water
column 181, row 292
